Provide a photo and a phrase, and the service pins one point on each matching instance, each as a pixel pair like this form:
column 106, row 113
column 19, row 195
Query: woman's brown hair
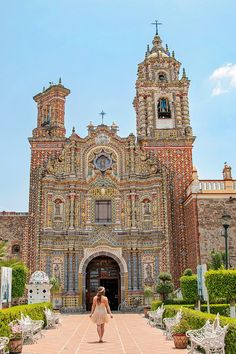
column 101, row 291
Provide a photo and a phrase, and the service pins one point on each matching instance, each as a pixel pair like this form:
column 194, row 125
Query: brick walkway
column 124, row 334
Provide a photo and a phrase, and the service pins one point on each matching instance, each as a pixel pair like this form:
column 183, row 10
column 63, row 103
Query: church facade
column 115, row 211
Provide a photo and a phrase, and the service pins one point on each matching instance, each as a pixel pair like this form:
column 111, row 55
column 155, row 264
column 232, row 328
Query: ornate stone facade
column 133, row 200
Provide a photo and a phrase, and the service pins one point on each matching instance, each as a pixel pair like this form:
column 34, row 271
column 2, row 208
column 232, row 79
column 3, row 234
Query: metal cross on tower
column 102, row 114
column 156, row 23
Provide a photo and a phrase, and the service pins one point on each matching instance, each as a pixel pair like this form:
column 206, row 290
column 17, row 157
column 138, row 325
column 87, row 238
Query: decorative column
column 149, row 115
column 129, row 271
column 133, row 210
column 178, row 111
column 135, row 285
column 132, row 157
column 72, row 161
column 118, row 213
column 185, row 110
column 88, row 213
column 142, row 116
column 72, row 210
column 49, row 214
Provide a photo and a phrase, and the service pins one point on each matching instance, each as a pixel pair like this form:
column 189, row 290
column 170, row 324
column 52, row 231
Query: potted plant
column 179, row 334
column 55, row 293
column 16, row 341
column 148, row 294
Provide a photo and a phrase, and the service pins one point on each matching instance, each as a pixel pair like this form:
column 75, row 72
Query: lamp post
column 226, row 218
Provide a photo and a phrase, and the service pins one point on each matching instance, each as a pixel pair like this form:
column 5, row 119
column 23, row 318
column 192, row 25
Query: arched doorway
column 103, row 271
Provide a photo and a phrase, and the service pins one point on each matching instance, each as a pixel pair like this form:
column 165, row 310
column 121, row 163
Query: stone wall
column 12, row 226
column 210, row 211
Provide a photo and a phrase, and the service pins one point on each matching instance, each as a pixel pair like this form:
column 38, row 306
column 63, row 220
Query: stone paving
column 124, row 334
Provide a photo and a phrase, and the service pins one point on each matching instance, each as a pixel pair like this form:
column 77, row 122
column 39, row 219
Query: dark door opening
column 103, row 271
column 111, row 286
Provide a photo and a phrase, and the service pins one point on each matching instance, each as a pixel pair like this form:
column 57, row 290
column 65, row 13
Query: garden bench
column 52, row 319
column 155, row 317
column 30, row 328
column 171, row 322
column 3, row 343
column 210, row 337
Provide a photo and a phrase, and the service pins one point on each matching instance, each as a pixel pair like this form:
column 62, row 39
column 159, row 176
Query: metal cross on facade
column 156, row 23
column 102, row 114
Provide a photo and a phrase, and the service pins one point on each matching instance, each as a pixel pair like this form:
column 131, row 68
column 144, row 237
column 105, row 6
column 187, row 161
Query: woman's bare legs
column 102, row 329
column 99, row 330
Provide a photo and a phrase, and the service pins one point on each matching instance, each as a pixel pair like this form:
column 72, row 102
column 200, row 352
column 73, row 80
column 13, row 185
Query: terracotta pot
column 15, row 346
column 180, row 340
column 146, row 309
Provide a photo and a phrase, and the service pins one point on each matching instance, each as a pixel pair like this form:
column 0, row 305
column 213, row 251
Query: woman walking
column 99, row 311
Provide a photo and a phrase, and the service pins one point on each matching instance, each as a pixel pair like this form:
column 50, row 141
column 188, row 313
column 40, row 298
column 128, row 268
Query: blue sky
column 95, row 46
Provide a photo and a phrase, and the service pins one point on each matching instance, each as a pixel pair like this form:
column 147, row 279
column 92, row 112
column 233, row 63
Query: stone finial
column 59, row 80
column 184, row 73
column 173, row 54
column 73, row 130
column 227, row 174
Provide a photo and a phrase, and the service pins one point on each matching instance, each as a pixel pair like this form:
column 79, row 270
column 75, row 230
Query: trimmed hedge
column 188, row 285
column 35, row 311
column 221, row 283
column 197, row 319
column 222, row 309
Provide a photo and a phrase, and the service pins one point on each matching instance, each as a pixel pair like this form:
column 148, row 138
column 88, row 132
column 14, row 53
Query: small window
column 103, row 211
column 15, row 249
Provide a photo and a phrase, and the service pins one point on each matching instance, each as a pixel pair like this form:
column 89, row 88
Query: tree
column 55, row 285
column 164, row 286
column 3, row 250
column 217, row 260
column 148, row 293
column 19, row 276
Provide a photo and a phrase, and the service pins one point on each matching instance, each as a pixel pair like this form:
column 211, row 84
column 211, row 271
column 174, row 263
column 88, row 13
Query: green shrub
column 155, row 304
column 221, row 284
column 19, row 277
column 165, row 285
column 188, row 272
column 176, row 302
column 196, row 319
column 222, row 309
column 188, row 285
column 35, row 311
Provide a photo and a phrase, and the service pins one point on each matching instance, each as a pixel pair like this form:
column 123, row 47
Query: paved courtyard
column 124, row 334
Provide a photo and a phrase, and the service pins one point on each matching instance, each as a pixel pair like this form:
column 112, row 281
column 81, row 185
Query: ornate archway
column 115, row 254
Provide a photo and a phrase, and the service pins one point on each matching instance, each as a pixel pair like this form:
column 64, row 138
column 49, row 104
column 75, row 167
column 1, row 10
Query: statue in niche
column 148, row 278
column 146, row 207
column 57, row 272
column 57, row 207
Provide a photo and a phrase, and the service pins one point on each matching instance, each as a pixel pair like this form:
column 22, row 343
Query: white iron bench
column 3, row 343
column 30, row 328
column 155, row 317
column 211, row 337
column 52, row 319
column 171, row 322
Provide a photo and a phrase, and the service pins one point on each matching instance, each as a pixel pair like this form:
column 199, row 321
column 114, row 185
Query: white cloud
column 225, row 79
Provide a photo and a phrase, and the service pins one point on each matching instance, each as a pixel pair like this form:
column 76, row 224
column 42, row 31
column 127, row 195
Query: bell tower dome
column 161, row 101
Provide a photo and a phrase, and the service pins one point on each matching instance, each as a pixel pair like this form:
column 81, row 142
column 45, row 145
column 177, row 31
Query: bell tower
column 161, row 101
column 51, row 111
column 164, row 130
